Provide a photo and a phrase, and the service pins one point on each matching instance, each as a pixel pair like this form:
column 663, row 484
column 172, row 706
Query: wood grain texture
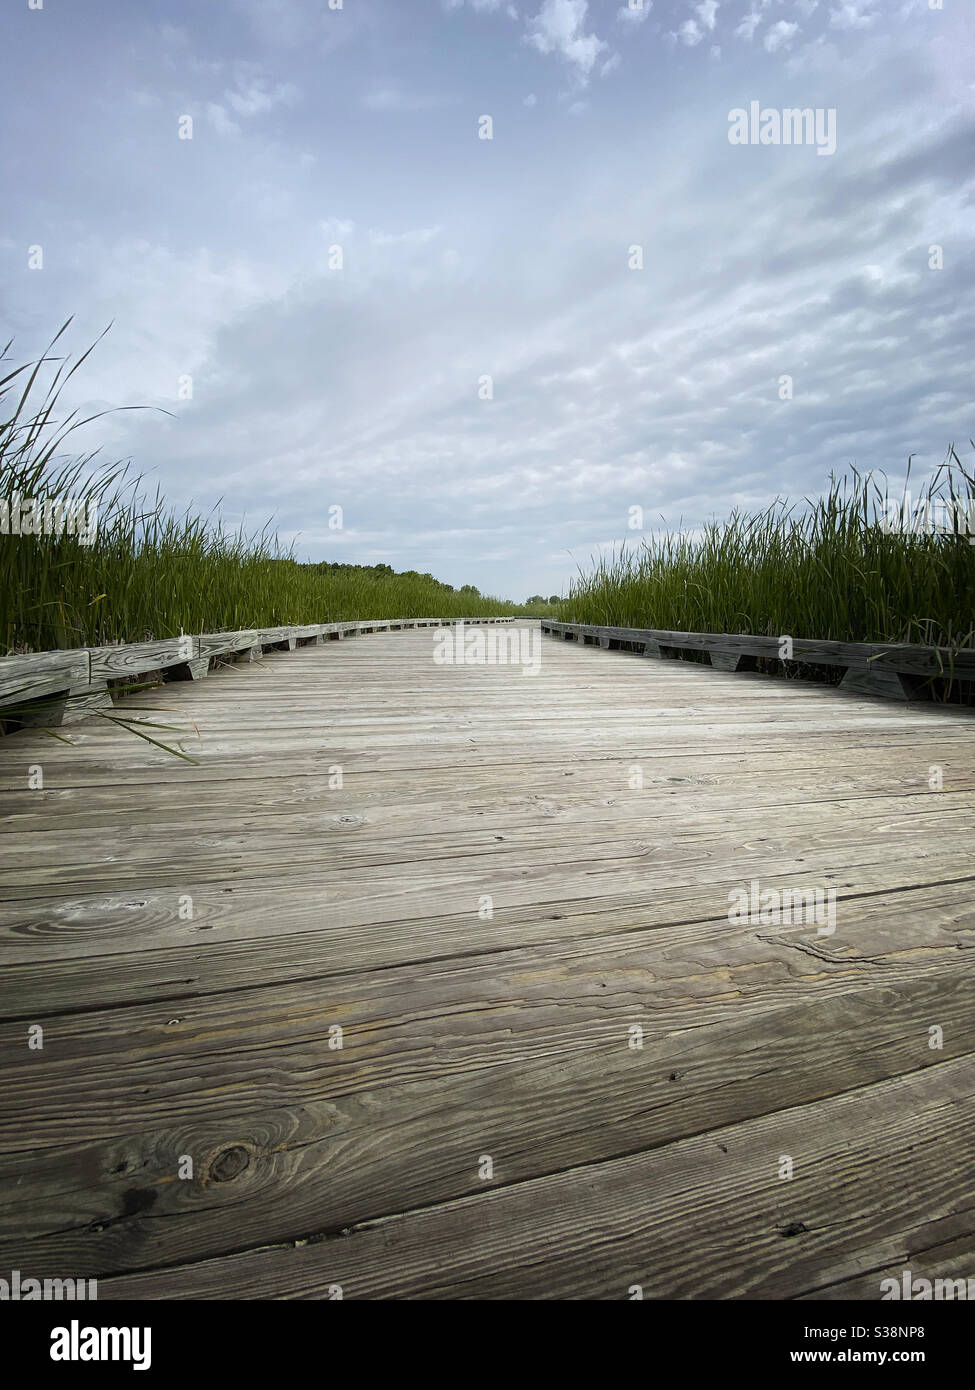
column 41, row 673
column 876, row 1173
column 429, row 972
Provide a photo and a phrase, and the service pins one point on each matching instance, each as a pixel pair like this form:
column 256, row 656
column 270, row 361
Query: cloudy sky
column 491, row 379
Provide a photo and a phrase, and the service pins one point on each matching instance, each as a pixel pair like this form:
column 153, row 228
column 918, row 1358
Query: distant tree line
column 387, row 572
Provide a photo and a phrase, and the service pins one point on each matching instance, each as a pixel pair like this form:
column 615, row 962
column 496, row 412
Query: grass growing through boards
column 843, row 567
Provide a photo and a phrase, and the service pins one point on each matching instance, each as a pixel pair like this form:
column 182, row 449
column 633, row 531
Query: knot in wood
column 229, row 1164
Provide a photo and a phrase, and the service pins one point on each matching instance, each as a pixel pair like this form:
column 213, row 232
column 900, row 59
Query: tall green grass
column 151, row 572
column 829, row 569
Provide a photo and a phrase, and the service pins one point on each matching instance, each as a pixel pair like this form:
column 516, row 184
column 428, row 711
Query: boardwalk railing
column 897, row 670
column 71, row 684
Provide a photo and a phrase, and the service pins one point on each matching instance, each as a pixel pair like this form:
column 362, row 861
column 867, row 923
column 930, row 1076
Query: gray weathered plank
column 37, row 674
column 876, row 1171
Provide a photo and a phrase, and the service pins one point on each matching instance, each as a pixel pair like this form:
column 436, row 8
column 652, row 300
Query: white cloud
column 419, row 236
column 336, row 228
column 256, row 100
column 250, row 96
column 147, row 100
column 780, row 35
column 393, row 98
column 291, row 24
column 219, row 119
column 559, row 27
column 746, row 29
column 690, row 33
column 852, row 14
column 707, row 13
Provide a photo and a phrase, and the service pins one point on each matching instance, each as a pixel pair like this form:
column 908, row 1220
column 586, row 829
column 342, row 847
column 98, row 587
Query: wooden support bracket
column 67, row 706
column 194, row 670
column 725, row 661
column 869, row 680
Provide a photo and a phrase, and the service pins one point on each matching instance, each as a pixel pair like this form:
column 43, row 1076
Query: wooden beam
column 890, row 656
column 134, row 658
column 29, row 677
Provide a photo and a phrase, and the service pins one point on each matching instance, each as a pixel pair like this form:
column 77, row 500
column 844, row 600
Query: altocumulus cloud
column 634, row 286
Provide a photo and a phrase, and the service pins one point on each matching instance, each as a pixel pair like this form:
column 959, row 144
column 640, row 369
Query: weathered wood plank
column 225, row 643
column 486, row 857
column 875, row 1171
column 599, row 789
column 542, row 1084
column 38, row 674
column 367, row 924
column 134, row 658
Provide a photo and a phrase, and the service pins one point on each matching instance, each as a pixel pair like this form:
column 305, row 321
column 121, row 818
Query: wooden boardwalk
column 563, row 1071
